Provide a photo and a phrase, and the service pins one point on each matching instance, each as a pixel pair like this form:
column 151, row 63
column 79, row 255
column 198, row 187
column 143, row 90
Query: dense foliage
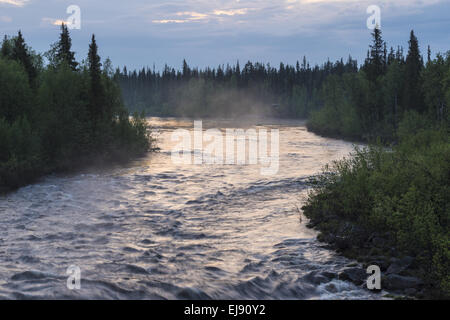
column 60, row 115
column 389, row 201
column 370, row 104
column 339, row 99
column 229, row 91
column 400, row 196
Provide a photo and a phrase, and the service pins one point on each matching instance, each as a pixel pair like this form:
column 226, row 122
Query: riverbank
column 390, row 208
column 13, row 178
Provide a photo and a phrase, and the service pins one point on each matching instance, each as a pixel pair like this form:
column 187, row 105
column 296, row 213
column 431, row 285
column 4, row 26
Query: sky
column 139, row 33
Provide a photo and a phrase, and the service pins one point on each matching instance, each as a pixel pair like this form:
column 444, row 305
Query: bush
column 402, row 192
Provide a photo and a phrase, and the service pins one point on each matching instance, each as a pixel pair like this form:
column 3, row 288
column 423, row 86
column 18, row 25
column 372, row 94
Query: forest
column 60, row 115
column 257, row 89
column 340, row 99
column 389, row 202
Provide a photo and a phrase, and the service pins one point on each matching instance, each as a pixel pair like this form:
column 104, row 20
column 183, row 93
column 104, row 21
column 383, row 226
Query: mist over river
column 157, row 230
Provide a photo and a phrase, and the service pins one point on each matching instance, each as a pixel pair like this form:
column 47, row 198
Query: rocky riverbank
column 400, row 274
column 389, row 207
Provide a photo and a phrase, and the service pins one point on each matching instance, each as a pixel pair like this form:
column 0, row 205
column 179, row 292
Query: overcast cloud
column 211, row 32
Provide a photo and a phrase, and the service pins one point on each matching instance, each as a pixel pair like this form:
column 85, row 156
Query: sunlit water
column 156, row 230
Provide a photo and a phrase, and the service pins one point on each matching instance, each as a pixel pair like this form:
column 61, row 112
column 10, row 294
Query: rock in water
column 355, row 275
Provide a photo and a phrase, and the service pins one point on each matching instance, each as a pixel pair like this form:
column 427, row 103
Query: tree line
column 230, row 90
column 60, row 114
column 388, row 92
column 339, row 99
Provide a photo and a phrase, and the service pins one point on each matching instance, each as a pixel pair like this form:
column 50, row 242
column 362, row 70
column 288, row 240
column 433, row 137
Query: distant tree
column 399, row 55
column 108, row 68
column 376, row 63
column 434, row 87
column 63, row 48
column 20, row 53
column 186, row 70
column 6, row 50
column 391, row 56
column 238, row 69
column 429, row 55
column 412, row 96
column 392, row 86
column 95, row 73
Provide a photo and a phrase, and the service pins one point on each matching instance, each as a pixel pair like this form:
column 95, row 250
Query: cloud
column 55, row 22
column 231, row 12
column 169, row 21
column 6, row 19
column 193, row 15
column 211, row 31
column 184, row 17
column 207, row 15
column 17, row 3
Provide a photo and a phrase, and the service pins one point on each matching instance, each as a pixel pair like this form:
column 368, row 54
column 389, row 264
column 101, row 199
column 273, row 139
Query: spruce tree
column 391, row 57
column 6, row 49
column 376, row 64
column 412, row 96
column 95, row 71
column 186, row 71
column 63, row 52
column 20, row 53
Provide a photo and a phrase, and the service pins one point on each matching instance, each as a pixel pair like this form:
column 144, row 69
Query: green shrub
column 402, row 191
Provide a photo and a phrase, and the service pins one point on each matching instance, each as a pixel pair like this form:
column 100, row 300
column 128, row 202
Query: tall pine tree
column 376, row 61
column 95, row 73
column 412, row 95
column 20, row 53
column 63, row 48
column 6, row 49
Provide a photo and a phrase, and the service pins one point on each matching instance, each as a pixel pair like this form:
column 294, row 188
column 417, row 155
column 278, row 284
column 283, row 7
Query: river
column 154, row 229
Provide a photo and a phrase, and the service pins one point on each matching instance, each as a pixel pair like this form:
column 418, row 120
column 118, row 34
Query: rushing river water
column 158, row 230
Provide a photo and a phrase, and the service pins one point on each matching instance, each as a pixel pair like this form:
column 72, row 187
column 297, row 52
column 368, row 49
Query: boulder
column 355, row 275
column 331, row 288
column 379, row 261
column 316, row 277
column 400, row 265
column 398, row 282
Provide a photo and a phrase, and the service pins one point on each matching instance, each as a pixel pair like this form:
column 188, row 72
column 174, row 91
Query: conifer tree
column 186, row 70
column 375, row 63
column 412, row 96
column 63, row 49
column 95, row 72
column 20, row 53
column 6, row 49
